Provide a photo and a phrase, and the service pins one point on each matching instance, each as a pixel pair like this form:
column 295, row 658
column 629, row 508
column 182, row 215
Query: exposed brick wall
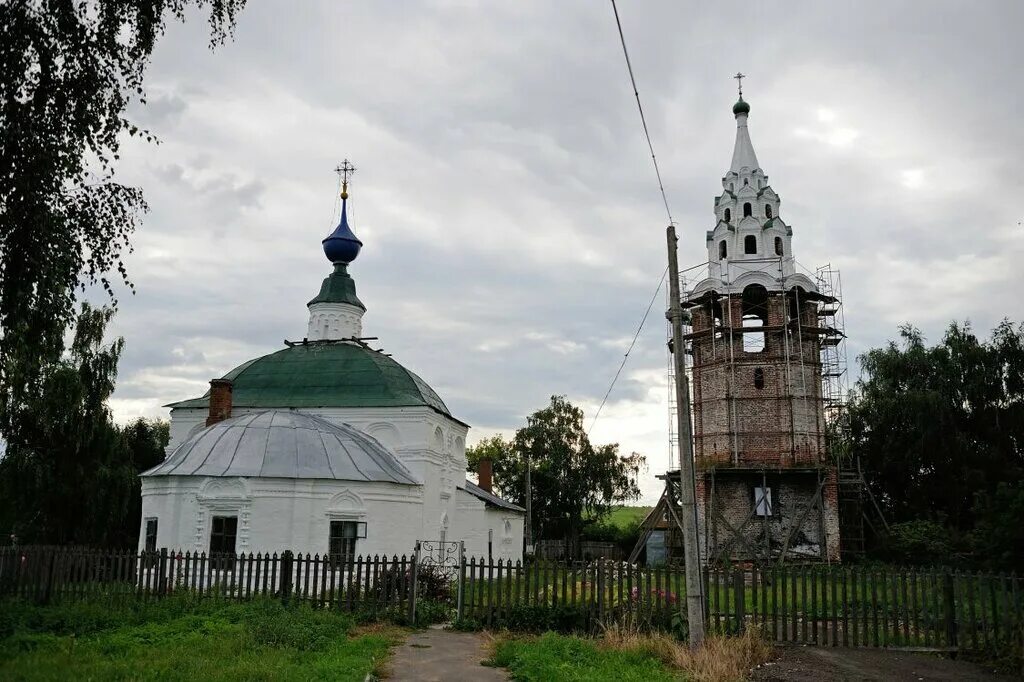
column 761, row 410
column 726, row 506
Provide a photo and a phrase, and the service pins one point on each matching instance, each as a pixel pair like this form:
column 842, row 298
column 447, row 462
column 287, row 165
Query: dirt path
column 434, row 655
column 818, row 664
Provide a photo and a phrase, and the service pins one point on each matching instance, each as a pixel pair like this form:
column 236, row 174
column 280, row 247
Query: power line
column 640, row 108
column 668, row 211
column 625, row 357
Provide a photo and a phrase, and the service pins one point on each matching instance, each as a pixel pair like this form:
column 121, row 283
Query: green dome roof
column 338, row 287
column 325, row 375
column 741, row 107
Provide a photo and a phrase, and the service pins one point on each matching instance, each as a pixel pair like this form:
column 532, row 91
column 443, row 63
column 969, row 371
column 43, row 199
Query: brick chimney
column 484, row 472
column 220, row 401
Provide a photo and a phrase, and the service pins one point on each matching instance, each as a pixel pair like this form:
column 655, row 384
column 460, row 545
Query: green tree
column 939, row 428
column 573, row 482
column 496, row 449
column 72, row 476
column 68, row 70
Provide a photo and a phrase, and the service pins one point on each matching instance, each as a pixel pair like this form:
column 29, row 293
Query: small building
column 325, row 446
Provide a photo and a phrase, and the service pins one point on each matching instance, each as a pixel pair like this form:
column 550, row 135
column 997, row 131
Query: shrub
column 918, row 542
column 300, row 627
column 543, row 618
column 433, row 583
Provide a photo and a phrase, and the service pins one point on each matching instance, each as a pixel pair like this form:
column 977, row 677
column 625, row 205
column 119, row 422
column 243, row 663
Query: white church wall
column 478, row 523
column 334, row 321
column 278, row 514
column 431, row 445
column 507, row 528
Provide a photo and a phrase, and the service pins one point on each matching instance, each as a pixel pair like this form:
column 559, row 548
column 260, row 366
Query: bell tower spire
column 337, row 313
column 743, row 155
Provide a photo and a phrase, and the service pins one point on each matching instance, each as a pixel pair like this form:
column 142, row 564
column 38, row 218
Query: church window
column 750, row 243
column 755, row 315
column 746, row 181
column 490, row 543
column 753, row 341
column 342, row 543
column 151, row 535
column 778, row 246
column 748, row 210
column 728, row 215
column 768, row 211
column 762, row 501
column 758, row 377
column 723, row 250
column 223, row 533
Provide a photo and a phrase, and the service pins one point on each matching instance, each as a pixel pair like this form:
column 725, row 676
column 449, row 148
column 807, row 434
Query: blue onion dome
column 741, row 107
column 342, row 246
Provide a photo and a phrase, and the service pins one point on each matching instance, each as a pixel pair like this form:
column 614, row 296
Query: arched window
column 728, row 215
column 767, row 211
column 753, row 341
column 755, row 314
column 758, row 377
column 746, row 181
column 750, row 244
column 778, row 246
column 723, row 250
column 748, row 210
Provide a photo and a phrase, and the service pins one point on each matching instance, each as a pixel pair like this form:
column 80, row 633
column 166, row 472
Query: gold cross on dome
column 345, row 169
column 739, row 80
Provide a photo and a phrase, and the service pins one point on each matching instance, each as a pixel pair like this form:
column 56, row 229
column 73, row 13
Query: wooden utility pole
column 528, row 534
column 691, row 553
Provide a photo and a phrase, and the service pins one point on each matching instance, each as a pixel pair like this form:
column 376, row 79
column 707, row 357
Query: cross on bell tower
column 739, row 82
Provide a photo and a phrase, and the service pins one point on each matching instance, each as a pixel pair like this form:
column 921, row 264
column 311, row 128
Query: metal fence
column 856, row 606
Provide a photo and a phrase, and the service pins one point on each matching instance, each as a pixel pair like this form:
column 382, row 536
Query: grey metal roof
column 490, row 498
column 284, row 444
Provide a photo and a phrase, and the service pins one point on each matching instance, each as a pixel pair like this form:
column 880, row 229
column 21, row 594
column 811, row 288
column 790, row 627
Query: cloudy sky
column 513, row 229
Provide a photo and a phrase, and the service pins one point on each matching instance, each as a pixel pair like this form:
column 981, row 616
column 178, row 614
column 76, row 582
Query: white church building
column 324, row 446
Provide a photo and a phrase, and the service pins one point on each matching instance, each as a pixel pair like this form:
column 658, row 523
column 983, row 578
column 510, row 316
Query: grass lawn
column 624, row 655
column 559, row 657
column 623, row 516
column 174, row 641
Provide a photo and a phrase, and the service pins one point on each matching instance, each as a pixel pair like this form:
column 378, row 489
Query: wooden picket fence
column 588, row 594
column 52, row 574
column 883, row 606
column 837, row 606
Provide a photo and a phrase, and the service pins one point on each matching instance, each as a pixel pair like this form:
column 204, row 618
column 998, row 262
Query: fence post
column 287, row 566
column 161, row 579
column 739, row 595
column 49, row 578
column 948, row 597
column 461, row 589
column 415, row 579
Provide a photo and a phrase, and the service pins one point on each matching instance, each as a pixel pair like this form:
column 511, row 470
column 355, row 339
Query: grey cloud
column 505, row 188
